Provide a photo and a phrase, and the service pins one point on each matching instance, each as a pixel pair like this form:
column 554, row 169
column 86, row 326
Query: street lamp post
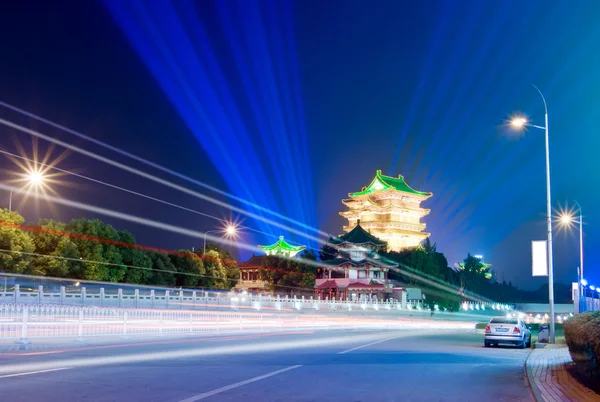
column 10, row 201
column 230, row 231
column 205, row 233
column 520, row 123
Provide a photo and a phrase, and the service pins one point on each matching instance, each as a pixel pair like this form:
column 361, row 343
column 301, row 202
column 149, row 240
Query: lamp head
column 35, row 177
column 231, row 230
column 518, row 122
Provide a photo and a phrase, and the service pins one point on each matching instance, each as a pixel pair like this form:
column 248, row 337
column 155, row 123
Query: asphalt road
column 343, row 366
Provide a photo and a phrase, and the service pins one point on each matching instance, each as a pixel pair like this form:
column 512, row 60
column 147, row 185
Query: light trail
column 47, row 166
column 186, row 353
column 151, row 164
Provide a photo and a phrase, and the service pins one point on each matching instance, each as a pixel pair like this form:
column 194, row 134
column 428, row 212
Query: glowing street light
column 34, row 178
column 567, row 219
column 520, row 123
column 230, row 230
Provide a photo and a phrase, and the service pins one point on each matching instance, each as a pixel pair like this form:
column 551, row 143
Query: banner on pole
column 539, row 254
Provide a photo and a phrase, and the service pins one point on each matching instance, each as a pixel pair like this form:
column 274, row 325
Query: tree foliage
column 90, row 249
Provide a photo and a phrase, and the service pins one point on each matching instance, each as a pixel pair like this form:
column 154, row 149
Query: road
column 297, row 366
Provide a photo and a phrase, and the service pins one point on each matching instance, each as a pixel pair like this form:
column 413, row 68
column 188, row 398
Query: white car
column 507, row 330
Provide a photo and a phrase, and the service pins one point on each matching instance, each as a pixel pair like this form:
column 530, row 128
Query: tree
column 138, row 262
column 60, row 255
column 190, row 269
column 216, row 272
column 232, row 271
column 14, row 242
column 474, row 275
column 163, row 270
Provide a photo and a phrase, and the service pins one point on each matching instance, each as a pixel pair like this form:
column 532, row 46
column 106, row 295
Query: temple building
column 358, row 270
column 390, row 210
column 250, row 279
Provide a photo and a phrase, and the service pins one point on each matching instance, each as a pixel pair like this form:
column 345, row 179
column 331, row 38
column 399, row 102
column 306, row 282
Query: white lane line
column 34, row 372
column 368, row 344
column 237, row 384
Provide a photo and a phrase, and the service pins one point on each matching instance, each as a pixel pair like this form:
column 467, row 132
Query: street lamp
column 521, row 123
column 230, row 230
column 567, row 219
column 34, row 178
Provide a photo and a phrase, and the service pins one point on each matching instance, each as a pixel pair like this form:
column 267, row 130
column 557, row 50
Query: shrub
column 582, row 333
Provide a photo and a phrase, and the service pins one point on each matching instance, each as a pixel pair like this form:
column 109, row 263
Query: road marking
column 33, row 372
column 237, row 384
column 368, row 344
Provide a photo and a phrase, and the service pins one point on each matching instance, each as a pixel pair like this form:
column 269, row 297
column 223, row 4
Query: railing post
column 17, row 293
column 161, row 323
column 152, row 298
column 80, row 328
column 62, row 295
column 194, row 299
column 120, row 295
column 40, row 294
column 83, row 295
column 136, row 293
column 124, row 323
column 167, row 297
column 102, row 297
column 24, row 324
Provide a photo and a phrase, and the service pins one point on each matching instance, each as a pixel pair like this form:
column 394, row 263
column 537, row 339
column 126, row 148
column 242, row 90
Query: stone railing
column 201, row 300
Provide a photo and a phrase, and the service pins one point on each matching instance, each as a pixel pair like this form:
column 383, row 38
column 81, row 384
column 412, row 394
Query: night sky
column 308, row 99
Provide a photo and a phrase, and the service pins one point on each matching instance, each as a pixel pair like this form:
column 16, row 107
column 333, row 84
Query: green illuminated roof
column 383, row 183
column 358, row 236
column 282, row 247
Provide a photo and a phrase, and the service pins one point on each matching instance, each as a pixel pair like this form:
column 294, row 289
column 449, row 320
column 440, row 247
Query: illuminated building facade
column 390, row 210
column 358, row 270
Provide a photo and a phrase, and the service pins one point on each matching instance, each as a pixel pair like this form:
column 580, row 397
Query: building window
column 362, row 274
column 357, row 255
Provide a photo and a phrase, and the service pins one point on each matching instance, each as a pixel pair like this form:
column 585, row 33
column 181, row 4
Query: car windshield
column 502, row 320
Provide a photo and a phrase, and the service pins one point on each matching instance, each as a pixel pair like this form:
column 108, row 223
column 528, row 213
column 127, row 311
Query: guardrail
column 22, row 322
column 199, row 300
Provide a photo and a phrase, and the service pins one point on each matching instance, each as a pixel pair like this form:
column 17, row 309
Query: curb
column 537, row 394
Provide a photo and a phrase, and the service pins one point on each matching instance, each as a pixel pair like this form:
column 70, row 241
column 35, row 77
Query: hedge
column 582, row 333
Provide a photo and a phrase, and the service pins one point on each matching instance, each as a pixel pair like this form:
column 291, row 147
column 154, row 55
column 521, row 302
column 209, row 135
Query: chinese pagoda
column 358, row 270
column 390, row 210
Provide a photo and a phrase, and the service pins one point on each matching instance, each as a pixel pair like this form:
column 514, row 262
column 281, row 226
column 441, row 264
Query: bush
column 582, row 333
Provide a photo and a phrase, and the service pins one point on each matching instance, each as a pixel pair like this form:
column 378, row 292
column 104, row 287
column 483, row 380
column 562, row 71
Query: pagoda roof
column 358, row 236
column 382, row 182
column 253, row 262
column 282, row 245
column 358, row 285
column 329, row 284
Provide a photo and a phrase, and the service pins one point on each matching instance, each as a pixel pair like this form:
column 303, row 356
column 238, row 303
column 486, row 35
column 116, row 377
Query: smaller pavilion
column 250, row 279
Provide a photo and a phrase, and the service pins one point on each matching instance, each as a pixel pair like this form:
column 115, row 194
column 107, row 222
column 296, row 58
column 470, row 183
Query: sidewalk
column 551, row 381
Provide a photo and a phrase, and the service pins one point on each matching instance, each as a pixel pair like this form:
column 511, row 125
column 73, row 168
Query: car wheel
column 522, row 344
column 528, row 342
column 486, row 344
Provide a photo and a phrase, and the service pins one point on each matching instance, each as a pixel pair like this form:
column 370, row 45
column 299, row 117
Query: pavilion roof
column 382, row 182
column 358, row 236
column 283, row 246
